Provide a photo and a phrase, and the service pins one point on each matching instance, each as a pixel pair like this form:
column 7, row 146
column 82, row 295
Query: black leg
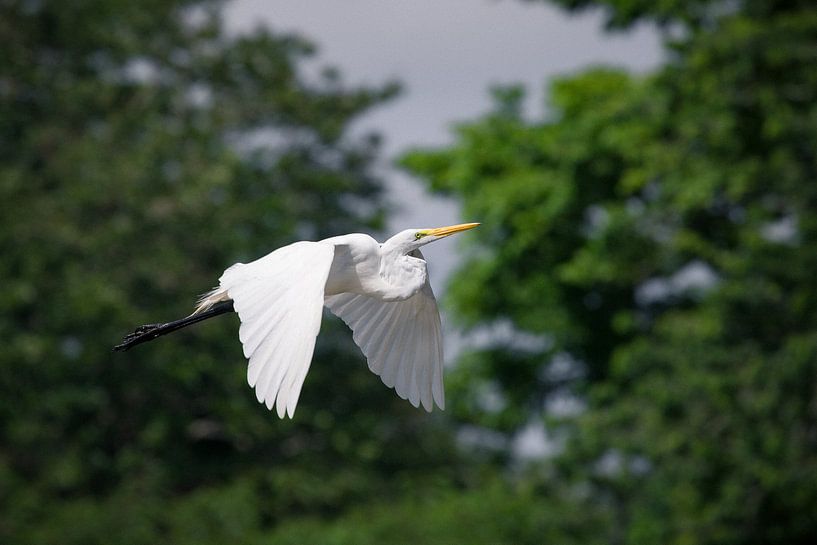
column 148, row 332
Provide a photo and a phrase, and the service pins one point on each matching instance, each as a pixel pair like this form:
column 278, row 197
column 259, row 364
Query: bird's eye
column 418, row 236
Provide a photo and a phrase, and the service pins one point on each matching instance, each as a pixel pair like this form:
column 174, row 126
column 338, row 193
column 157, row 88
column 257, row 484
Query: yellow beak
column 450, row 230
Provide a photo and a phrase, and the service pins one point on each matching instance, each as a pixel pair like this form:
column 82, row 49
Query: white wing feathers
column 279, row 299
column 401, row 340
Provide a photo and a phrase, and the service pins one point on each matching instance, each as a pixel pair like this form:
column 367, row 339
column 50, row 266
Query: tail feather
column 210, row 298
column 218, row 294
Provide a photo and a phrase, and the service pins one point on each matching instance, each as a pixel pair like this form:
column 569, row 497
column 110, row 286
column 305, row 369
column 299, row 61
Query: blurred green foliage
column 658, row 236
column 142, row 150
column 650, row 242
column 490, row 514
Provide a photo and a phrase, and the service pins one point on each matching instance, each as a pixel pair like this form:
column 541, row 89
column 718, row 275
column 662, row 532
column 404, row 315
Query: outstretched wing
column 402, row 342
column 279, row 299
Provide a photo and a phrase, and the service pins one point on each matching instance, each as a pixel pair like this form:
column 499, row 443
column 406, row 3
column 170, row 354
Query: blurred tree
column 142, row 150
column 657, row 236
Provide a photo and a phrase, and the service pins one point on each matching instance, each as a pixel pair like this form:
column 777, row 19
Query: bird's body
column 361, row 265
column 380, row 290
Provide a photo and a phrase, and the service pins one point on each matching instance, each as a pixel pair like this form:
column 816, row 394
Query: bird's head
column 411, row 239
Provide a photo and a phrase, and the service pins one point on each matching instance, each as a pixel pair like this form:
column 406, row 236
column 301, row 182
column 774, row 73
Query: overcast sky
column 446, row 53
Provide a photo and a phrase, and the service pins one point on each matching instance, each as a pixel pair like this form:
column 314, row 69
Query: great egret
column 381, row 291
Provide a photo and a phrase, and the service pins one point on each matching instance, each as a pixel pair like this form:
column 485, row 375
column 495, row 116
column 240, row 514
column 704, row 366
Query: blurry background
column 639, row 304
column 446, row 56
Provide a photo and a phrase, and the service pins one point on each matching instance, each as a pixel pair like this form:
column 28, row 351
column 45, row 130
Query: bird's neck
column 402, row 275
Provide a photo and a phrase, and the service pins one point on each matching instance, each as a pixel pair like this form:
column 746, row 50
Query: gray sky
column 446, row 53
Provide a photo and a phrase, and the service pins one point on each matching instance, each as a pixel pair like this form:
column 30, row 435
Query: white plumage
column 380, row 291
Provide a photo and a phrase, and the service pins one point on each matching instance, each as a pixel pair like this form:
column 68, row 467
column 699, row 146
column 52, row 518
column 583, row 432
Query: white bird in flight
column 381, row 291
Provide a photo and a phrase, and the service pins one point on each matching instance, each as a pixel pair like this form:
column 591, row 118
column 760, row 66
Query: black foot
column 139, row 333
